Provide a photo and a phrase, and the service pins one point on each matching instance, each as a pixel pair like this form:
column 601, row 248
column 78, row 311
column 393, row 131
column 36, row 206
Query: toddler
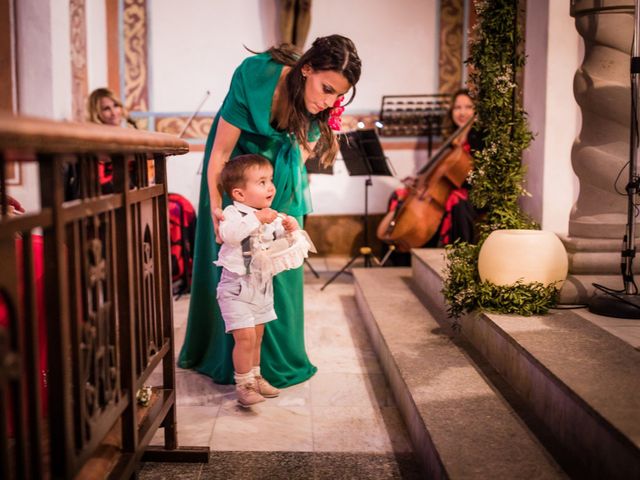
column 250, row 229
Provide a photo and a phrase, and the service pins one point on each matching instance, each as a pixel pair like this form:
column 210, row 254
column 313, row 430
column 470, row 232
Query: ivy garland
column 498, row 175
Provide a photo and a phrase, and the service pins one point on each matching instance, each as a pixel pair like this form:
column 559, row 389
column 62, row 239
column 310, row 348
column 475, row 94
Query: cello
column 416, row 219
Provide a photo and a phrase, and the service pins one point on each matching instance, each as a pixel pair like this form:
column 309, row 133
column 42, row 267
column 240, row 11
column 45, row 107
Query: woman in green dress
column 278, row 106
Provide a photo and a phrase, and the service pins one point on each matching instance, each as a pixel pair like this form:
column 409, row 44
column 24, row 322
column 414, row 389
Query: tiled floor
column 342, row 423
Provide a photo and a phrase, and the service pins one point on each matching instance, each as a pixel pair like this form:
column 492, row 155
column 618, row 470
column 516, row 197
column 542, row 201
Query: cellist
column 459, row 215
column 459, row 218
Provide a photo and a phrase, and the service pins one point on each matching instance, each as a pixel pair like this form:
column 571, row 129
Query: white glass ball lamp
column 507, row 256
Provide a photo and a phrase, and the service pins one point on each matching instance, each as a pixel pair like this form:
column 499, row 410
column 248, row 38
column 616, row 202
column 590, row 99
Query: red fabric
column 182, row 217
column 38, row 266
column 4, row 324
column 105, row 172
column 398, row 195
column 4, row 313
column 454, row 197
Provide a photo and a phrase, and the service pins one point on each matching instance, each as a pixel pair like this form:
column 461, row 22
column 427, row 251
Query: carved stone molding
column 602, row 90
column 136, row 91
column 451, row 40
column 78, row 36
column 601, row 151
column 199, row 127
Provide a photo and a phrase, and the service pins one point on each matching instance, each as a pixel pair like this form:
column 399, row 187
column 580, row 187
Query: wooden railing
column 85, row 291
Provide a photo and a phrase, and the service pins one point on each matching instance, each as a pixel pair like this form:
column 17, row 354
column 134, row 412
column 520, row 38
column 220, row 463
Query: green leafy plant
column 498, row 176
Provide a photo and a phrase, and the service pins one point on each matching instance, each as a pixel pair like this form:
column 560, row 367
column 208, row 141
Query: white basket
column 277, row 259
column 290, row 258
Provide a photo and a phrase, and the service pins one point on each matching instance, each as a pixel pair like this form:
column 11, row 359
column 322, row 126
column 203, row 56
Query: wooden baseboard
column 342, row 234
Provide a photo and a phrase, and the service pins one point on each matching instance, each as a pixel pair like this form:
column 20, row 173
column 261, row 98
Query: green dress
column 206, row 347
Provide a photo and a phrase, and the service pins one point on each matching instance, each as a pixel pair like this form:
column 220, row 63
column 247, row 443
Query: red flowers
column 335, row 119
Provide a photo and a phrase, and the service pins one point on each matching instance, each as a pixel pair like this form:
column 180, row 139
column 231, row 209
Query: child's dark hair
column 232, row 175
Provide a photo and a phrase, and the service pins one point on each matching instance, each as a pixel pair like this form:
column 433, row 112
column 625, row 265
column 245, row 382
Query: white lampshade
column 507, row 256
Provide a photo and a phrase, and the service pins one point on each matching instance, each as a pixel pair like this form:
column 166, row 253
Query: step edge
column 509, row 414
column 599, row 420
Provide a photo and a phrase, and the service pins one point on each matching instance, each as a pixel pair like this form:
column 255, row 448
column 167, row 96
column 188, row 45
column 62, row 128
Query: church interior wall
column 96, row 45
column 187, row 61
column 563, row 122
column 196, row 47
column 554, row 52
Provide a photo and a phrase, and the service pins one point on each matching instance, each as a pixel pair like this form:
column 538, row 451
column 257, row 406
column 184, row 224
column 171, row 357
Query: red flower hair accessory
column 335, row 119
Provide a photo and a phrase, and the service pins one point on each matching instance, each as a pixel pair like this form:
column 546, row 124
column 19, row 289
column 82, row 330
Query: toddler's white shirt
column 239, row 223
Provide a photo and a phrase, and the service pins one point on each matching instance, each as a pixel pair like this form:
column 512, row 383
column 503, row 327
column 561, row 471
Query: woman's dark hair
column 449, row 126
column 335, row 53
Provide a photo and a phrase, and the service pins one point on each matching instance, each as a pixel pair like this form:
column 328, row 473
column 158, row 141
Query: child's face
column 258, row 189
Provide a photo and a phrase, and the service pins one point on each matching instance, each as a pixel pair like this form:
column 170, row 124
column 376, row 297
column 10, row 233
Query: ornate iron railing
column 85, row 303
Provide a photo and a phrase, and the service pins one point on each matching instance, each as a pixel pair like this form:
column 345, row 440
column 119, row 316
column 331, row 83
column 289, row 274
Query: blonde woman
column 103, row 107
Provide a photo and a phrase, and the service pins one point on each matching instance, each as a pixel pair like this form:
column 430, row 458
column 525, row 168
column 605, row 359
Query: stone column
column 601, row 151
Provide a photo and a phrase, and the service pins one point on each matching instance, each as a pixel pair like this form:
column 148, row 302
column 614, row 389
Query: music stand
column 363, row 156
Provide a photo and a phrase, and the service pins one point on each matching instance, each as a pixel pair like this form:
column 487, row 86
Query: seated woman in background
column 458, row 220
column 104, row 107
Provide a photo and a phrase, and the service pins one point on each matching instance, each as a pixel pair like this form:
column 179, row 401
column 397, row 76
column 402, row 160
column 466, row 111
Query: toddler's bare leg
column 264, row 387
column 243, row 350
column 256, row 350
column 246, row 385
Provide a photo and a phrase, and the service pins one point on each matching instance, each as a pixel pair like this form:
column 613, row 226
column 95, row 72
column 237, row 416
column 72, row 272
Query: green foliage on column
column 497, row 179
column 498, row 175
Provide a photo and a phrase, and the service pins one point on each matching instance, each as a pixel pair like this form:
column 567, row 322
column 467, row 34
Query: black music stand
column 363, row 156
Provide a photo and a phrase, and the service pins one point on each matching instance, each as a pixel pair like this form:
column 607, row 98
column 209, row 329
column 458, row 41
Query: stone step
column 459, row 426
column 579, row 380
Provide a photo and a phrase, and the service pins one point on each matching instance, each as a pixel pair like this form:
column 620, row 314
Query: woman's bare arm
column 227, row 136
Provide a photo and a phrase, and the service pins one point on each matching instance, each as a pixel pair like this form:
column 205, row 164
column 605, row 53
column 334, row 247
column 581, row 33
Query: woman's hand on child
column 290, row 223
column 217, row 216
column 266, row 215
